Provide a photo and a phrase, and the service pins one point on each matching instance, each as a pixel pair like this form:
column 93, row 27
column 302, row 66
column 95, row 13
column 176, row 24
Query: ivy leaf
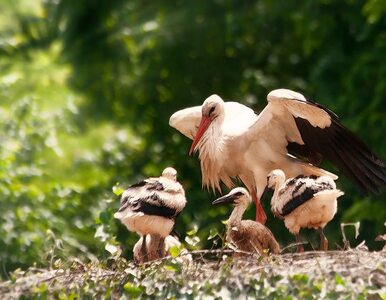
column 193, row 241
column 114, row 250
column 174, row 251
column 213, row 233
column 339, row 280
column 193, row 231
column 133, row 290
column 117, row 190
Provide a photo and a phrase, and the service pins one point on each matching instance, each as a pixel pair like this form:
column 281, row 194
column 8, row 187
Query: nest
column 358, row 267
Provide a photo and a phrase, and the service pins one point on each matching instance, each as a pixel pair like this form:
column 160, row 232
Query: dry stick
column 293, row 245
column 346, row 244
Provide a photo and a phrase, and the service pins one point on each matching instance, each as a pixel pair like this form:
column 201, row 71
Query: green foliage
column 87, row 88
column 31, row 200
column 55, row 176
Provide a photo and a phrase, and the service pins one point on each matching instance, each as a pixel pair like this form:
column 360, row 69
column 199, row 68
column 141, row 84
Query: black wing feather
column 340, row 146
column 154, row 205
column 306, row 195
column 297, row 201
column 125, row 202
column 150, row 185
column 368, row 175
column 138, row 184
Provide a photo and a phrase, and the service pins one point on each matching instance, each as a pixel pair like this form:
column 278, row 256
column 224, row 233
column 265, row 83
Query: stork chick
column 152, row 205
column 304, row 202
column 247, row 235
column 150, row 251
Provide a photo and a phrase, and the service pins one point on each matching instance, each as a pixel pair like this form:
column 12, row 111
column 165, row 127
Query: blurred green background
column 87, row 88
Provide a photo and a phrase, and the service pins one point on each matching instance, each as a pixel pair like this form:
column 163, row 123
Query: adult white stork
column 150, row 207
column 234, row 142
column 304, row 202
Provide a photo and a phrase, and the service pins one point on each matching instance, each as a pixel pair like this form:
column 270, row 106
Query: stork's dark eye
column 238, row 194
column 211, row 110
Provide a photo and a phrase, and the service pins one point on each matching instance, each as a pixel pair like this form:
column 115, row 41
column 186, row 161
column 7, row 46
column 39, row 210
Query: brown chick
column 247, row 235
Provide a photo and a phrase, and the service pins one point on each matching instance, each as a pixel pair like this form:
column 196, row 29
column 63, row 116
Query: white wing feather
column 275, row 126
column 238, row 118
column 186, row 120
column 300, row 108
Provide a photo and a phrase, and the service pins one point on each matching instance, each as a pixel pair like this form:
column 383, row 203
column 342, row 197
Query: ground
column 351, row 274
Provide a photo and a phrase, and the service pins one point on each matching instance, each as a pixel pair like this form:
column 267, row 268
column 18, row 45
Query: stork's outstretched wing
column 186, row 121
column 314, row 132
column 237, row 119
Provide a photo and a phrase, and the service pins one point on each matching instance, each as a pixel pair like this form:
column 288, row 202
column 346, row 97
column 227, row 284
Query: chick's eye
column 238, row 194
column 211, row 110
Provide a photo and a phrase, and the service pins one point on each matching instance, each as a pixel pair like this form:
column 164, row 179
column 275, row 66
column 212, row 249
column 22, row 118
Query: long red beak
column 204, row 124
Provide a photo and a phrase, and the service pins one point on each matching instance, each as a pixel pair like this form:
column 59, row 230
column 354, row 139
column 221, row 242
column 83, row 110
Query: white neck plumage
column 280, row 182
column 236, row 215
column 211, row 148
column 211, row 141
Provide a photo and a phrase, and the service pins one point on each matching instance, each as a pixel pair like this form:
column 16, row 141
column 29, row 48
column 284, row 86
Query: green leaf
column 133, row 290
column 213, row 232
column 40, row 289
column 382, row 295
column 170, row 268
column 193, row 231
column 105, row 217
column 302, row 278
column 174, row 251
column 339, row 280
column 117, row 190
column 193, row 241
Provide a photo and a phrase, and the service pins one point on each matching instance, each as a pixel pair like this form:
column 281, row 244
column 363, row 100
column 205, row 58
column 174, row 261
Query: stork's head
column 212, row 108
column 238, row 196
column 170, row 173
column 275, row 177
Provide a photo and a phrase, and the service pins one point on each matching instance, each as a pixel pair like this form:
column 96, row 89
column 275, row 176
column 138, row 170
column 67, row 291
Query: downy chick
column 247, row 235
column 304, row 202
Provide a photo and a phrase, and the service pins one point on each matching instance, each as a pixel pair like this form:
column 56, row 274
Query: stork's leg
column 161, row 246
column 143, row 252
column 261, row 217
column 154, row 244
column 323, row 240
column 300, row 246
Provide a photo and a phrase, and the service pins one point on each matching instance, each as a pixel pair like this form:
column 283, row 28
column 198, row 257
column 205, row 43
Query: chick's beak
column 227, row 199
